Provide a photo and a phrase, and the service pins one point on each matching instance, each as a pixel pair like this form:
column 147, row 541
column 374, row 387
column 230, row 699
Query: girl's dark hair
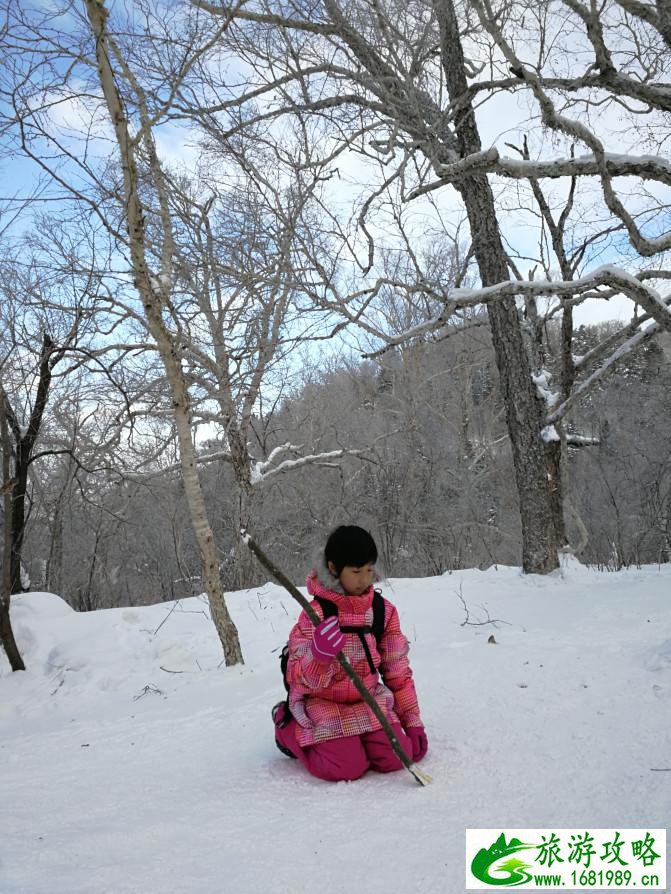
column 350, row 545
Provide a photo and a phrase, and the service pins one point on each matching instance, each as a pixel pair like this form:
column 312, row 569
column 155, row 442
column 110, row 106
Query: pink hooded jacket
column 323, row 699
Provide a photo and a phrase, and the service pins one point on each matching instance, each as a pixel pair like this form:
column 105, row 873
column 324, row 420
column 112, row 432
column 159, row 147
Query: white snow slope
column 131, row 761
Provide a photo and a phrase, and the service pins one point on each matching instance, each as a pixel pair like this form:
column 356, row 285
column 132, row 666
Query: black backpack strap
column 328, row 607
column 378, row 615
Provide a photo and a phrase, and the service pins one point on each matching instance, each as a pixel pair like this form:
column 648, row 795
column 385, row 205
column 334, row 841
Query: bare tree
column 29, row 356
column 154, row 290
column 400, row 87
column 149, row 215
column 237, row 307
column 388, row 84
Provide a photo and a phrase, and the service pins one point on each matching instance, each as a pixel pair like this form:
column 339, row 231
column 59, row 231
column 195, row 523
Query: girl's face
column 355, row 580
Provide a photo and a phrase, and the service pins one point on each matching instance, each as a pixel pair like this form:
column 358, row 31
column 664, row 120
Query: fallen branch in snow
column 282, row 579
column 58, row 687
column 149, row 688
column 469, row 623
column 660, row 769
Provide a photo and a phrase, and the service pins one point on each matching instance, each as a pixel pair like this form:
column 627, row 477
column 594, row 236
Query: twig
column 279, row 576
column 469, row 623
column 168, row 671
column 660, row 769
column 58, row 687
column 166, row 618
column 149, row 688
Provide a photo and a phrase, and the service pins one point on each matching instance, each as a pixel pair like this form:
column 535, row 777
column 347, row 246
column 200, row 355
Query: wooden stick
column 280, row 577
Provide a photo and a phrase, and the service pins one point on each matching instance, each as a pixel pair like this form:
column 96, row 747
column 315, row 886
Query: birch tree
column 237, row 267
column 153, row 289
column 67, row 58
column 145, row 211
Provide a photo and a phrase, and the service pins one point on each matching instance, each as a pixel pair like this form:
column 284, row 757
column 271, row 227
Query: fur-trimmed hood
column 321, row 582
column 323, row 576
column 321, row 573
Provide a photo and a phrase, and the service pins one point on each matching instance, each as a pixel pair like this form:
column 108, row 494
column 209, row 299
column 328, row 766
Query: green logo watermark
column 511, row 872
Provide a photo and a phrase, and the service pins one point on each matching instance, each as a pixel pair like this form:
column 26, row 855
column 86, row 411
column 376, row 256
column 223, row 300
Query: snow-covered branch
column 591, row 381
column 261, row 468
column 647, row 167
column 581, row 441
column 620, row 280
column 577, row 128
column 262, row 472
column 612, row 342
column 626, row 284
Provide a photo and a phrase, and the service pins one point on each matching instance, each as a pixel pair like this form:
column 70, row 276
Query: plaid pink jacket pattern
column 323, row 699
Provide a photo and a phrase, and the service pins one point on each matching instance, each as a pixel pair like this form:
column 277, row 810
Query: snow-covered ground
column 131, row 760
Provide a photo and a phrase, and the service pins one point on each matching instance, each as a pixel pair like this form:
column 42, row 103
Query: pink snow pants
column 346, row 758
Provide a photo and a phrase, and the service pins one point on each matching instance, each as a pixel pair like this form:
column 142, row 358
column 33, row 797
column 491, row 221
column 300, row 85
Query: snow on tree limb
column 262, row 470
column 585, row 387
column 289, row 464
column 647, row 167
column 620, row 280
column 574, row 440
column 575, row 128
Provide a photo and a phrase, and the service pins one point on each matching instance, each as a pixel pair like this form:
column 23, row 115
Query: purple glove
column 419, row 741
column 327, row 640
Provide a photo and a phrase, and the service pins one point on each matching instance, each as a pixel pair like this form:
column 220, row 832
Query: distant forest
column 433, row 481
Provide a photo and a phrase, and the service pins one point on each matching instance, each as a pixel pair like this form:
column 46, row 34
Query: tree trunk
column 525, row 421
column 553, row 456
column 244, row 565
column 17, row 524
column 558, row 463
column 24, row 444
column 209, row 555
column 523, row 407
column 54, row 568
column 153, row 303
column 6, row 633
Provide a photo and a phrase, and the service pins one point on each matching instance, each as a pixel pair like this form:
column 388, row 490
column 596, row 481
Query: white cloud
column 78, row 116
column 176, row 145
